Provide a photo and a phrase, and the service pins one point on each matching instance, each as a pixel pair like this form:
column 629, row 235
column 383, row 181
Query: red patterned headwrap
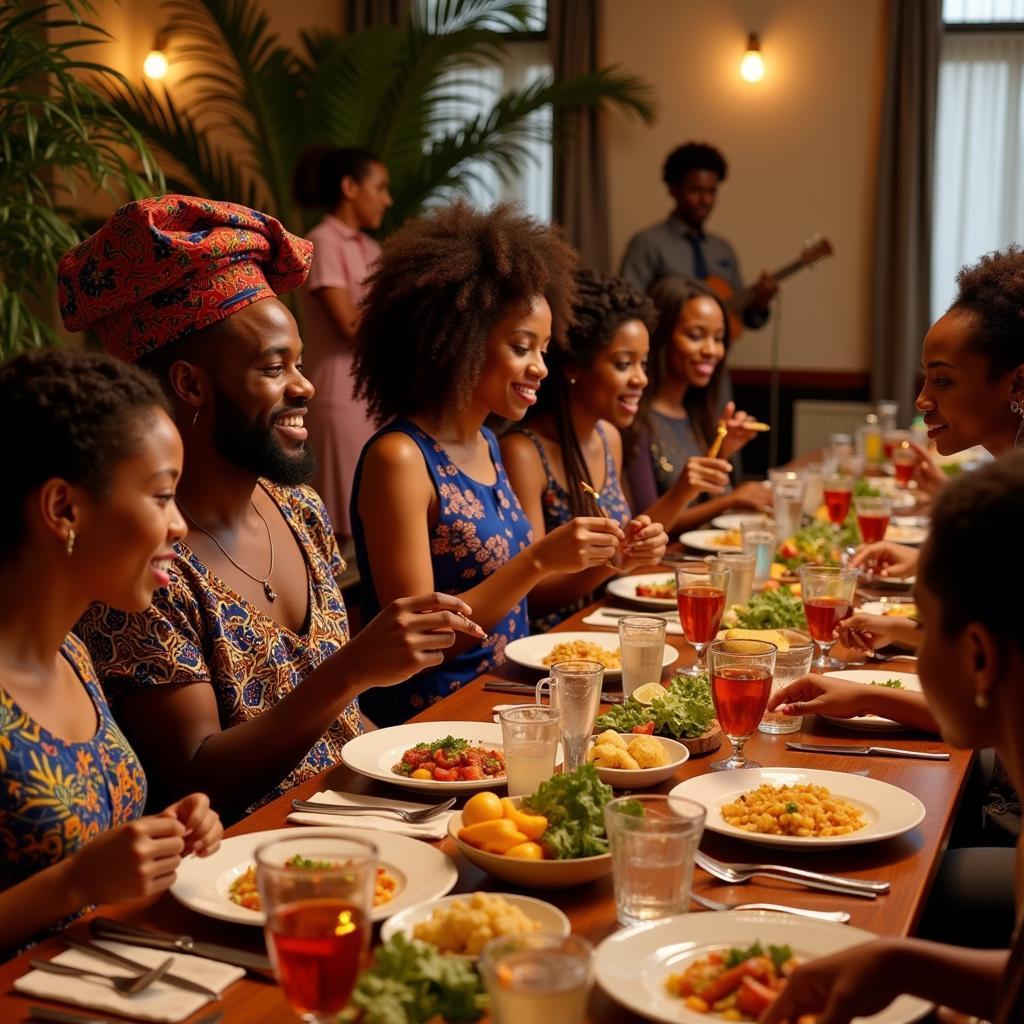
column 160, row 269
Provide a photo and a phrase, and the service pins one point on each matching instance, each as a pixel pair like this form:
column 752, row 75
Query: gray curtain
column 580, row 195
column 903, row 236
column 360, row 14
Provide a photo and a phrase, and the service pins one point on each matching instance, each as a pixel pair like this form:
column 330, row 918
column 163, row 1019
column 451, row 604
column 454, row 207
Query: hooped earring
column 196, row 417
column 69, row 544
column 981, row 701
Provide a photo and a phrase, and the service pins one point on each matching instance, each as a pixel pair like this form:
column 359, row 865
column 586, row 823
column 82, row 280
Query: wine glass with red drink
column 904, row 459
column 827, row 591
column 873, row 516
column 837, row 490
column 317, row 894
column 741, row 680
column 700, row 594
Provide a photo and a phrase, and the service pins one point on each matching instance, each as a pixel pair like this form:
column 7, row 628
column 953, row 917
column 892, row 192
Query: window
column 527, row 59
column 979, row 138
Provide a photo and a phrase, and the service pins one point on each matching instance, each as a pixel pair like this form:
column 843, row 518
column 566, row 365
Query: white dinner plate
column 625, row 587
column 735, row 520
column 633, row 964
column 530, row 651
column 551, row 920
column 913, row 536
column 887, row 608
column 865, row 676
column 900, row 496
column 712, row 541
column 374, row 754
column 888, row 810
column 422, row 871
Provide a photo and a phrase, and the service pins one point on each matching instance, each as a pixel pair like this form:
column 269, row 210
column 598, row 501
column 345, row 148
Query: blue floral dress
column 58, row 795
column 479, row 528
column 557, row 512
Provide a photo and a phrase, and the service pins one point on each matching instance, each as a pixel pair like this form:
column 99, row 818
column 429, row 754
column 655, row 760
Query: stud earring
column 572, row 380
column 981, row 701
column 69, row 544
column 1016, row 408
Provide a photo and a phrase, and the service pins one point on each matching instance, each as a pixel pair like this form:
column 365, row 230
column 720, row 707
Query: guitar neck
column 739, row 301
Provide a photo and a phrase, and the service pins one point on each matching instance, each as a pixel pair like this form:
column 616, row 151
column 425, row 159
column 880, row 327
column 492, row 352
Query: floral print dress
column 479, row 528
column 58, row 795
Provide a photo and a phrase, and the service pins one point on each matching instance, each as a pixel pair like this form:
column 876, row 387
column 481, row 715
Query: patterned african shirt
column 198, row 630
column 58, row 795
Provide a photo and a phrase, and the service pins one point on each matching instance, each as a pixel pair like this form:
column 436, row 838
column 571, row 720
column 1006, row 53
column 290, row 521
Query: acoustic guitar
column 815, row 248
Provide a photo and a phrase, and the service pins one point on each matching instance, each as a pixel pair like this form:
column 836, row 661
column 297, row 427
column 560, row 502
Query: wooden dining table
column 908, row 862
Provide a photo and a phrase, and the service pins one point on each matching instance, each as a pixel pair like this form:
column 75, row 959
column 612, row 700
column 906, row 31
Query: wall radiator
column 815, row 422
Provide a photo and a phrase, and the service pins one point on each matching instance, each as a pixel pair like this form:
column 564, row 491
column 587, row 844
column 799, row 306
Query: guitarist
column 680, row 246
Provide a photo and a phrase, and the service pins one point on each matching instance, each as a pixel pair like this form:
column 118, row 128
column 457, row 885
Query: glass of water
column 788, row 489
column 642, row 646
column 652, row 854
column 760, row 539
column 741, row 575
column 575, row 691
column 529, row 736
column 790, row 666
column 537, row 977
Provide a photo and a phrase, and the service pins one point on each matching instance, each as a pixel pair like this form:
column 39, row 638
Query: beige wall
column 801, row 147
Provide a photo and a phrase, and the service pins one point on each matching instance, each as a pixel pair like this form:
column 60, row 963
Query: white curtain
column 979, row 144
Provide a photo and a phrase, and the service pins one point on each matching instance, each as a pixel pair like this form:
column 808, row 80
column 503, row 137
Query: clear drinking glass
column 700, row 594
column 318, row 917
column 827, row 592
column 652, row 854
column 741, row 575
column 741, row 679
column 760, row 539
column 536, row 977
column 575, row 689
column 642, row 647
column 790, row 666
column 813, row 499
column 873, row 516
column 788, row 489
column 840, row 446
column 529, row 736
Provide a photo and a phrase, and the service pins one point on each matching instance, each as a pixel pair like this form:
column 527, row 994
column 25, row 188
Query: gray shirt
column 667, row 249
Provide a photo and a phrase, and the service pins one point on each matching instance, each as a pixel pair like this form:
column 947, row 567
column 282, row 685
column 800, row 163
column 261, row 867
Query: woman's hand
column 203, row 829
column 706, row 476
column 738, row 435
column 886, row 559
column 645, row 544
column 406, row 636
column 128, row 862
column 823, row 695
column 930, row 479
column 853, row 983
column 862, row 632
column 581, row 543
column 752, row 495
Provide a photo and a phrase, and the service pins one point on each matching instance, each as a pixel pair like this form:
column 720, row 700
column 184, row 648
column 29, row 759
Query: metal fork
column 423, row 814
column 837, row 916
column 129, row 986
column 737, row 873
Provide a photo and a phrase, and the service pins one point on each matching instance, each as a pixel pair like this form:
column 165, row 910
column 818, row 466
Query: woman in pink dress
column 352, row 185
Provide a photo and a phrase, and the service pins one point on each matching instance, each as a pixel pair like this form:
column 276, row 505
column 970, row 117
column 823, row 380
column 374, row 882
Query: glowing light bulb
column 155, row 66
column 752, row 64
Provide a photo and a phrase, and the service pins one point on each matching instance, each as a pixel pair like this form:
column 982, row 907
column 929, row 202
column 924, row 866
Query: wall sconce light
column 156, row 65
column 752, row 64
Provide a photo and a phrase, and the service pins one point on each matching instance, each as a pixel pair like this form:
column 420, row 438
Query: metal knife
column 525, row 689
column 824, row 748
column 54, row 1016
column 106, row 928
column 102, row 953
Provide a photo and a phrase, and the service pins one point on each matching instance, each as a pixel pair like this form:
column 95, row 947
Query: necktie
column 700, row 266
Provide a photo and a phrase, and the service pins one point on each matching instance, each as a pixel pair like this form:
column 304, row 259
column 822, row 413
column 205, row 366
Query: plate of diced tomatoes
column 450, row 756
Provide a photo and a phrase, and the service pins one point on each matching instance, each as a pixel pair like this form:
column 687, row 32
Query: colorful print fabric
column 199, row 631
column 57, row 795
column 479, row 528
column 162, row 268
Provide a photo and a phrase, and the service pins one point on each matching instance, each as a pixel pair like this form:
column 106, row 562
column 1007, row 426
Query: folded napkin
column 434, row 828
column 159, row 1002
column 600, row 618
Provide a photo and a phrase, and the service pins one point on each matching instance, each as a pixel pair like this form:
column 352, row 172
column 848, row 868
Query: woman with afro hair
column 456, row 324
column 593, row 391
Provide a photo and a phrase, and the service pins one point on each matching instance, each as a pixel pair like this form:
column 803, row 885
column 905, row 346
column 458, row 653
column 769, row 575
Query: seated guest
column 240, row 676
column 87, row 514
column 593, row 389
column 459, row 314
column 971, row 664
column 666, row 448
column 973, row 390
column 351, row 186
